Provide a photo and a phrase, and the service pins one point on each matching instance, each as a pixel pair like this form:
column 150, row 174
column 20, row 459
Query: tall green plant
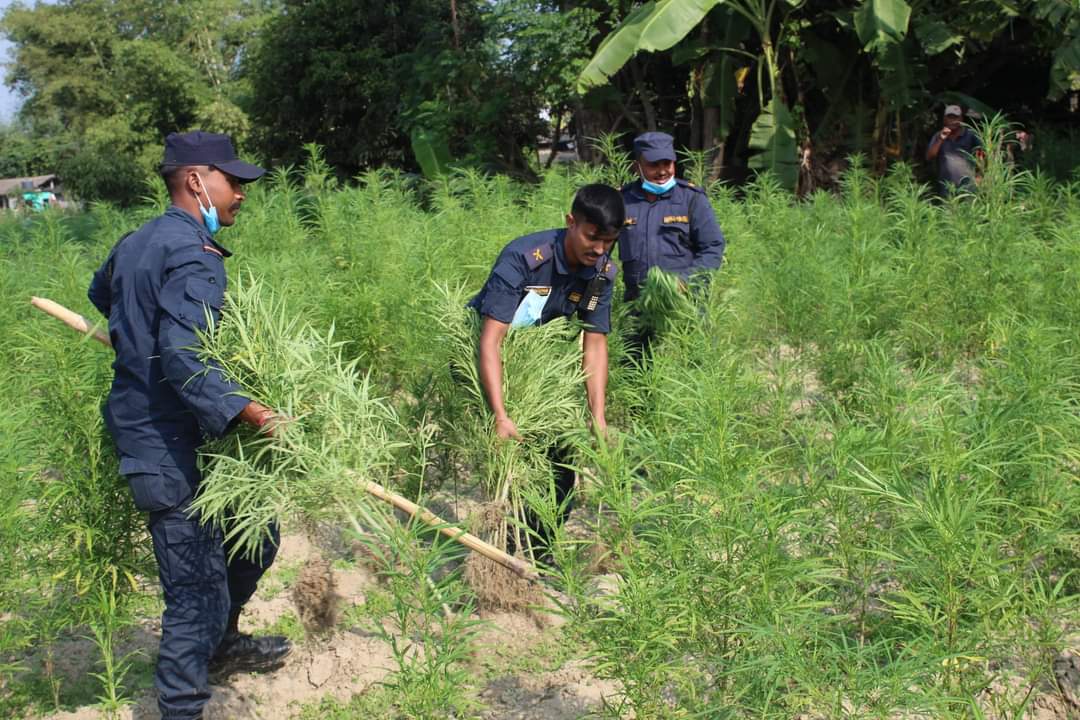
column 337, row 436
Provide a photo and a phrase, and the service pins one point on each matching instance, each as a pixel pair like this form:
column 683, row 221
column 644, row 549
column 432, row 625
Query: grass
column 844, row 485
column 288, row 625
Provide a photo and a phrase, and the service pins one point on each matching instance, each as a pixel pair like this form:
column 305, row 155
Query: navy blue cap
column 653, row 146
column 203, row 148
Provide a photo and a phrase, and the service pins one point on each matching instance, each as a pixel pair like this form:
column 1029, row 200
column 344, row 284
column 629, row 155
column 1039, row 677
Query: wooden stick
column 519, row 567
column 73, row 320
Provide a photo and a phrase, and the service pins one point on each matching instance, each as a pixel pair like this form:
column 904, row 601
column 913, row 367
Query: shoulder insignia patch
column 676, row 219
column 539, row 255
column 630, row 221
column 690, row 186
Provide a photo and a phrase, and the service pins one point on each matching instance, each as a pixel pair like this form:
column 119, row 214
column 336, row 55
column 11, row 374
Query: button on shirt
column 677, row 232
column 157, row 288
column 538, row 262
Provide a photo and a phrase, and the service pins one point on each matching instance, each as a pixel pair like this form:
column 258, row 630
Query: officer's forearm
column 595, row 364
column 491, row 338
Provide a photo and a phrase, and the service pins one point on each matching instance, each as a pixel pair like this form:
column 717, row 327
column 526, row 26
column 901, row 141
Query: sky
column 9, row 102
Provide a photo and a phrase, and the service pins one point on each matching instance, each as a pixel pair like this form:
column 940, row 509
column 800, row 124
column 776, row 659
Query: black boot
column 239, row 652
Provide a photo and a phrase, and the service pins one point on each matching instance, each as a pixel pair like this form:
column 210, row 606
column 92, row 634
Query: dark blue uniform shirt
column 538, row 262
column 156, row 288
column 677, row 233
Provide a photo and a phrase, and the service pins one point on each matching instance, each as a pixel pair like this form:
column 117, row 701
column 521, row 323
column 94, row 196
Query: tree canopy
column 774, row 85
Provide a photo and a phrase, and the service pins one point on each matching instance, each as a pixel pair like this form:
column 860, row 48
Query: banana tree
column 657, row 26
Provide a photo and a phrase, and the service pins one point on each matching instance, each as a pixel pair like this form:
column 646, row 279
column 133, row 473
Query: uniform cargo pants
column 200, row 584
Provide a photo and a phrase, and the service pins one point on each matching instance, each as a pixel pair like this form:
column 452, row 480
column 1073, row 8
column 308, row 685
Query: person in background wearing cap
column 157, row 288
column 669, row 224
column 953, row 148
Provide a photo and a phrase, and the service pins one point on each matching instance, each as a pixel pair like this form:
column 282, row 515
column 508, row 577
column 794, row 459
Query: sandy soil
column 348, row 661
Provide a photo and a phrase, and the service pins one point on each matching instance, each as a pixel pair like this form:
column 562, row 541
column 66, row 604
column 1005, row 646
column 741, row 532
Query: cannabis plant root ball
column 495, row 586
column 315, row 596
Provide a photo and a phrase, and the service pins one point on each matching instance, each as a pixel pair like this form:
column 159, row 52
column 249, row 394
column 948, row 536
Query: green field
column 846, row 486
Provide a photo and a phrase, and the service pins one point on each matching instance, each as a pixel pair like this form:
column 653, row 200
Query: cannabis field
column 845, row 485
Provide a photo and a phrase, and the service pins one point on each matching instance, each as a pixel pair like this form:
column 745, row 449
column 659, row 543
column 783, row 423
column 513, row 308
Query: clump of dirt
column 316, row 598
column 499, row 588
column 1067, row 675
column 494, row 585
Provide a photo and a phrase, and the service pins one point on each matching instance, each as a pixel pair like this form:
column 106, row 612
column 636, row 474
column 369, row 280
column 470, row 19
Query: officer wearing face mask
column 669, row 223
column 543, row 276
column 158, row 287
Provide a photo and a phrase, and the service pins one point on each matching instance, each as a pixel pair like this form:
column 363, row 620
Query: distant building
column 31, row 192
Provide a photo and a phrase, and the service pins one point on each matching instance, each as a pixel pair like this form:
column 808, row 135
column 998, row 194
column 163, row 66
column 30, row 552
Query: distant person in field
column 953, row 149
column 669, row 224
column 157, row 288
column 547, row 275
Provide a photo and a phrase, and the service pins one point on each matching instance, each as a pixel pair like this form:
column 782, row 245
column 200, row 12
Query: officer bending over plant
column 547, row 275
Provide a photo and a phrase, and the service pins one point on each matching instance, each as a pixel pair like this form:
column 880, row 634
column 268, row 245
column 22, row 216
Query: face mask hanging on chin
column 209, row 216
column 654, row 189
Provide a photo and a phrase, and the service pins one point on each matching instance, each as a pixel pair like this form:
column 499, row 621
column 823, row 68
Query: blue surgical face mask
column 655, row 189
column 209, row 216
column 530, row 310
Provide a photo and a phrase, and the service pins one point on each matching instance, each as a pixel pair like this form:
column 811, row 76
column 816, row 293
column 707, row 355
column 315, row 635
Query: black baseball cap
column 653, row 146
column 203, row 148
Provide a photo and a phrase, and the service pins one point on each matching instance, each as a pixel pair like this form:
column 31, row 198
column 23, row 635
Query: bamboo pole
column 73, row 320
column 515, row 565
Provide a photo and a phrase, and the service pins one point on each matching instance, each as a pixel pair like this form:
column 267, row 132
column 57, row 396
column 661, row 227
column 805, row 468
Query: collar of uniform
column 561, row 266
column 640, row 191
column 204, row 234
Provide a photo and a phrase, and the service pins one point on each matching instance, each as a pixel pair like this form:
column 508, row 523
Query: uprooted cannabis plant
column 337, row 436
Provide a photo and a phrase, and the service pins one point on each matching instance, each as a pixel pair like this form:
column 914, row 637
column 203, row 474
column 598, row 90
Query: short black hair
column 174, row 175
column 601, row 205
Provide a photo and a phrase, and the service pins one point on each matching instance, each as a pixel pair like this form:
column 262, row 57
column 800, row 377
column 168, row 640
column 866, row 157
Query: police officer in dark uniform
column 548, row 275
column 157, row 288
column 669, row 222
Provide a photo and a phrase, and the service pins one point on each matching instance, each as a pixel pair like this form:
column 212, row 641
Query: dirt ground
column 350, row 660
column 522, row 666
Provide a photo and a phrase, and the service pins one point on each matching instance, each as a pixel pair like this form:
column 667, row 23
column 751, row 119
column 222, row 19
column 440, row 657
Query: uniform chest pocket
column 631, row 240
column 675, row 232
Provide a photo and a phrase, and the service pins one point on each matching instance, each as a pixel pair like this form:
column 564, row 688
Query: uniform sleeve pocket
column 201, row 297
column 203, row 291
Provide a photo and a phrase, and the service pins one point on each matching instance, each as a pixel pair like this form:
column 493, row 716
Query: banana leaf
column 882, row 22
column 901, row 73
column 1065, row 68
column 431, row 151
column 773, row 140
column 652, row 27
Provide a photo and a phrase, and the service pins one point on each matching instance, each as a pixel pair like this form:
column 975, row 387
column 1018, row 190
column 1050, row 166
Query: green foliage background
column 846, row 480
column 425, row 85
